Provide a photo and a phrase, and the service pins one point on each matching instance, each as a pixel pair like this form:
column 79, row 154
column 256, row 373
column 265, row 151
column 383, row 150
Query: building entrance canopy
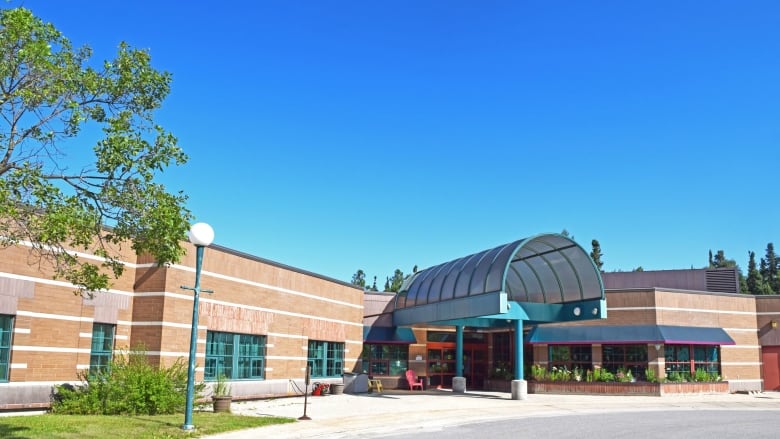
column 544, row 278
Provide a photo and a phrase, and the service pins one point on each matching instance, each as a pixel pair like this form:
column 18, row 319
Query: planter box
column 639, row 388
column 493, row 385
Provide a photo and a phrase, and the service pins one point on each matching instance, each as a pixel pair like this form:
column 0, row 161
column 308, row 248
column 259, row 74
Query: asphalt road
column 748, row 424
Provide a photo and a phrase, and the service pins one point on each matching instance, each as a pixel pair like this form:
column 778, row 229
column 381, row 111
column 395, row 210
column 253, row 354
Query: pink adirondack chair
column 414, row 380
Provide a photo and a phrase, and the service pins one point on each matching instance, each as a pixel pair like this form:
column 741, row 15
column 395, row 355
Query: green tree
column 394, row 283
column 359, row 278
column 720, row 260
column 596, row 254
column 769, row 269
column 49, row 95
column 754, row 284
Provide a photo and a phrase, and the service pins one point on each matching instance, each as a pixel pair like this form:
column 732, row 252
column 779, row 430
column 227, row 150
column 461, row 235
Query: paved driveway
column 394, row 412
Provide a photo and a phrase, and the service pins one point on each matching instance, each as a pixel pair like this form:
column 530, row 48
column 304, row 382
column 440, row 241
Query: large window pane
column 6, row 326
column 236, row 356
column 630, row 357
column 385, row 359
column 102, row 347
column 571, row 356
column 326, row 359
column 679, row 361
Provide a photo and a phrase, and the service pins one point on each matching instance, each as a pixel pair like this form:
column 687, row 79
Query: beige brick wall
column 52, row 338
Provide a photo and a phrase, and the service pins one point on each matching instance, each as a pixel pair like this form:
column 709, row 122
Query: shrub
column 677, row 377
column 538, row 373
column 650, row 375
column 624, row 375
column 703, row 376
column 130, row 386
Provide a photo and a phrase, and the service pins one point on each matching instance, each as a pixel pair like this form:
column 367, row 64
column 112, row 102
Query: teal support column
column 459, row 351
column 519, row 349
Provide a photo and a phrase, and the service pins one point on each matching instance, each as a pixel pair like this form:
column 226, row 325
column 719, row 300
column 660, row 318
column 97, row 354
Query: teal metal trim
column 519, row 350
column 463, row 307
column 459, row 351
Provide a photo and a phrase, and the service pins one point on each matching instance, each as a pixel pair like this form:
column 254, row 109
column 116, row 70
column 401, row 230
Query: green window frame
column 6, row 332
column 236, row 356
column 385, row 359
column 102, row 347
column 326, row 359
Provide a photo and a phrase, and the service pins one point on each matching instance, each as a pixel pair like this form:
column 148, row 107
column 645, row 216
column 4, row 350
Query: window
column 630, row 356
column 6, row 326
column 571, row 356
column 385, row 359
column 679, row 360
column 102, row 347
column 236, row 356
column 503, row 357
column 326, row 359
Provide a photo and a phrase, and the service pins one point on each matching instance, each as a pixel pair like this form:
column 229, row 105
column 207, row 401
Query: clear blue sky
column 337, row 135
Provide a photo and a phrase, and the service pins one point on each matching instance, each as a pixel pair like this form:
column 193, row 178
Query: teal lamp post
column 201, row 235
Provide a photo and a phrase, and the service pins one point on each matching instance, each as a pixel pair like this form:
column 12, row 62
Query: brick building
column 260, row 327
column 265, row 321
column 671, row 321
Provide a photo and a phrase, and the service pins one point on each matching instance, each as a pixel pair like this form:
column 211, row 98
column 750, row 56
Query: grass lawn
column 52, row 426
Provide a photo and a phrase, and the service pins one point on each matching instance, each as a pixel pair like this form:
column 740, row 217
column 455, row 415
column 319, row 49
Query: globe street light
column 201, row 235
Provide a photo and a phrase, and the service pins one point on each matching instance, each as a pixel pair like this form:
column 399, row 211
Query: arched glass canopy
column 546, row 277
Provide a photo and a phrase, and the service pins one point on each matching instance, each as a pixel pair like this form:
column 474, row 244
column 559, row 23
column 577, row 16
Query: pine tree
column 596, row 254
column 359, row 278
column 753, row 276
column 771, row 269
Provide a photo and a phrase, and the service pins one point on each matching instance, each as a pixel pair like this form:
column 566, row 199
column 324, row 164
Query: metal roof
column 629, row 334
column 544, row 269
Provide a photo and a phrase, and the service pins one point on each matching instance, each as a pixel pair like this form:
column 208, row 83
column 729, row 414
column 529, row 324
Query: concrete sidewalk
column 397, row 411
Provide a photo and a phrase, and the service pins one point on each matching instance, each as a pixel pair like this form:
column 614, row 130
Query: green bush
column 650, row 375
column 130, row 386
column 538, row 373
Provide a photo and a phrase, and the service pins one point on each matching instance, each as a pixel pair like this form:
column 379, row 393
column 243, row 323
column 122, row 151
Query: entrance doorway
column 770, row 356
column 442, row 359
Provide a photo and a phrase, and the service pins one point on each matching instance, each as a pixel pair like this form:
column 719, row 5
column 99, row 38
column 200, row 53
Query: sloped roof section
column 546, row 269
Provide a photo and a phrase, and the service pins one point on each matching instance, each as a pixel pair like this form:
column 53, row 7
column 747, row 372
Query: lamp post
column 201, row 235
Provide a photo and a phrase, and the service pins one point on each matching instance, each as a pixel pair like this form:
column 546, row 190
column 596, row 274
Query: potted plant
column 221, row 396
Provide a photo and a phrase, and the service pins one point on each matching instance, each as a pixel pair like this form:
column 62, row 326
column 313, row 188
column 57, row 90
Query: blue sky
column 337, row 135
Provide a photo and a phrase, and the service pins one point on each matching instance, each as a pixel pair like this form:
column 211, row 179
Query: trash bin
column 355, row 383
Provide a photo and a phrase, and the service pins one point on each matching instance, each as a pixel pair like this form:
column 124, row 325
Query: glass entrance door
column 441, row 365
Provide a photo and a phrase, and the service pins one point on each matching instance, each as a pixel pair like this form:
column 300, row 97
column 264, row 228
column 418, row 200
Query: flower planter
column 496, row 385
column 638, row 388
column 222, row 403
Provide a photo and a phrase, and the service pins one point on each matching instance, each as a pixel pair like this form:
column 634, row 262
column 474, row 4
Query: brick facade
column 52, row 327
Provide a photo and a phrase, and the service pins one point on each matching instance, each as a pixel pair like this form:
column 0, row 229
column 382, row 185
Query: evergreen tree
column 720, row 260
column 395, row 282
column 596, row 254
column 753, row 276
column 359, row 278
column 769, row 269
